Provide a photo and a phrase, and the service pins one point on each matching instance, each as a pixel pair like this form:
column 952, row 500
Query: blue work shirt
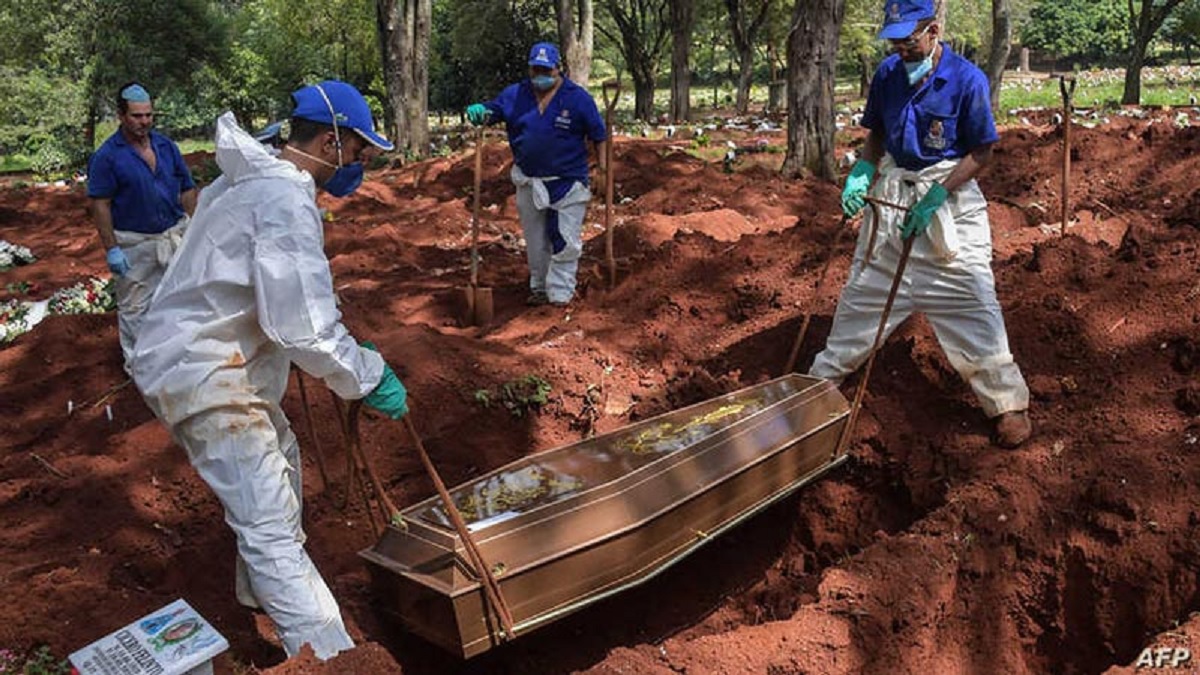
column 946, row 117
column 550, row 143
column 141, row 201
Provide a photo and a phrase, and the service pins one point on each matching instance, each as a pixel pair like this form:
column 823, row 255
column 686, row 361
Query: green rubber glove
column 854, row 195
column 919, row 217
column 390, row 397
column 477, row 113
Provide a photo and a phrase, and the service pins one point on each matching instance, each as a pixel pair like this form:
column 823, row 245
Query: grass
column 1103, row 88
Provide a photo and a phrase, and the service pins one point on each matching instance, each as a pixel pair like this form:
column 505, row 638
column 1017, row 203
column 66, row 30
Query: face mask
column 542, row 82
column 918, row 70
column 345, row 180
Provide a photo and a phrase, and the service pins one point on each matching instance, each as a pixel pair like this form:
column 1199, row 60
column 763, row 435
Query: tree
column 479, row 47
column 745, row 19
column 1001, row 43
column 1145, row 18
column 683, row 21
column 576, row 34
column 404, row 33
column 857, row 44
column 812, row 63
column 1093, row 31
column 1182, row 28
column 641, row 36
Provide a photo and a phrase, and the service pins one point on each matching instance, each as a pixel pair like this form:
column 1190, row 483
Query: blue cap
column 320, row 102
column 544, row 54
column 135, row 93
column 900, row 17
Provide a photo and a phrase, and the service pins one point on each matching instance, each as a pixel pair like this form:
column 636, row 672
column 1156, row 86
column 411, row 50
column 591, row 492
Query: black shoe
column 536, row 299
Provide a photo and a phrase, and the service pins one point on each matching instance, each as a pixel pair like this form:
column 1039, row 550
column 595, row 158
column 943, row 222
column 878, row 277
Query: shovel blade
column 475, row 305
column 466, row 306
column 484, row 309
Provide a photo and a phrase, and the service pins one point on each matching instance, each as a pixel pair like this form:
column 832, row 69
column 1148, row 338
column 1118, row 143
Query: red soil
column 930, row 551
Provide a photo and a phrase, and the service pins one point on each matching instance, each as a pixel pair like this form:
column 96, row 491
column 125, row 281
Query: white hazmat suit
column 948, row 278
column 248, row 294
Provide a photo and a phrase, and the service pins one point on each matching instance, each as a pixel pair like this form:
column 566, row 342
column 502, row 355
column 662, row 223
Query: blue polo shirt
column 141, row 201
column 949, row 115
column 550, row 143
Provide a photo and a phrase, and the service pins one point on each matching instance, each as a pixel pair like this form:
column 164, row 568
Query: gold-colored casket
column 570, row 526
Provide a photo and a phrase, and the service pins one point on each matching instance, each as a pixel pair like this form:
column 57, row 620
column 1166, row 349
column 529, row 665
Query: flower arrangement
column 94, row 296
column 12, row 255
column 12, row 319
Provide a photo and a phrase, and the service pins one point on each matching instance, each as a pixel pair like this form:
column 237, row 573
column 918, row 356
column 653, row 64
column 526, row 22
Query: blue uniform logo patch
column 936, row 138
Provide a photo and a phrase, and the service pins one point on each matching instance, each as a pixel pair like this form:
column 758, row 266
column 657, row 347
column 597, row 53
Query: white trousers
column 148, row 256
column 957, row 296
column 549, row 272
column 250, row 458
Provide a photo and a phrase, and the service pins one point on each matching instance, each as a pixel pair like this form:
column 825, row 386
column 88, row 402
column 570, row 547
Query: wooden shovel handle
column 491, row 587
column 475, row 207
column 615, row 87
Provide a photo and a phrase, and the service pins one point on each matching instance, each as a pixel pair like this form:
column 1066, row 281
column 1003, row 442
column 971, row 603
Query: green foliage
column 483, row 397
column 51, row 161
column 1094, row 31
column 520, row 396
column 1183, row 26
column 41, row 118
column 480, row 46
column 37, row 662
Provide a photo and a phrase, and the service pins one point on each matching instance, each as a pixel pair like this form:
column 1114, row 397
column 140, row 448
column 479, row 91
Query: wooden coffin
column 569, row 526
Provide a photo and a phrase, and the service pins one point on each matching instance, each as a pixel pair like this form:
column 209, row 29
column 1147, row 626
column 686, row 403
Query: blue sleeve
column 182, row 173
column 976, row 125
column 872, row 114
column 593, row 123
column 502, row 105
column 101, row 180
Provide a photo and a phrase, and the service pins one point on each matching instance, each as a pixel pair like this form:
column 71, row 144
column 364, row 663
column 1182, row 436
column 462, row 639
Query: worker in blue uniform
column 930, row 132
column 549, row 120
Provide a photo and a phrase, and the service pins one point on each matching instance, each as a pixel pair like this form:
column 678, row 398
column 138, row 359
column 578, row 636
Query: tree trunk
column 812, row 59
column 865, row 73
column 1001, row 44
column 404, row 32
column 1132, row 94
column 643, row 75
column 642, row 38
column 576, row 33
column 745, row 32
column 745, row 60
column 683, row 17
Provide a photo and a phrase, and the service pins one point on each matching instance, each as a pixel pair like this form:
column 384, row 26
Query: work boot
column 537, row 298
column 1013, row 429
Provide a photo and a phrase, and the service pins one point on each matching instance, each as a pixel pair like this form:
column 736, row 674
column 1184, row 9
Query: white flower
column 12, row 319
column 12, row 254
column 93, row 296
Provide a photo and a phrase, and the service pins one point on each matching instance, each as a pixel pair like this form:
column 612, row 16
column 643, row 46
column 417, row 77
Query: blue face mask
column 345, row 180
column 918, row 70
column 542, row 82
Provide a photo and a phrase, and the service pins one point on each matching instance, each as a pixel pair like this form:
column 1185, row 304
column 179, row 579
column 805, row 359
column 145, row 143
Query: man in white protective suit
column 930, row 132
column 250, row 293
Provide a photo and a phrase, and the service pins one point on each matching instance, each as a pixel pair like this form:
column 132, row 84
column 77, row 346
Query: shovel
column 609, row 104
column 477, row 301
